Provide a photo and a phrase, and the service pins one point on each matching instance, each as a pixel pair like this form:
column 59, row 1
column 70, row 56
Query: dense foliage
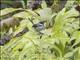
column 41, row 34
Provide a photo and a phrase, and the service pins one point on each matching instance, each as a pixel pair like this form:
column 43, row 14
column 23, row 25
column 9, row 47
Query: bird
column 39, row 26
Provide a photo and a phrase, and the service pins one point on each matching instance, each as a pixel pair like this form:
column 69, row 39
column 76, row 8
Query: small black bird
column 39, row 26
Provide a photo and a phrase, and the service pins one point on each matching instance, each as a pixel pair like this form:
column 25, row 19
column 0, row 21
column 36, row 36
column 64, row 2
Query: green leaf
column 44, row 5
